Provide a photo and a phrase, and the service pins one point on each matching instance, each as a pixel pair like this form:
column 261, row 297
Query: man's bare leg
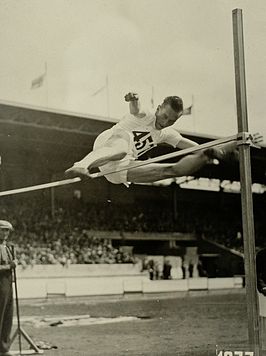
column 186, row 166
column 157, row 171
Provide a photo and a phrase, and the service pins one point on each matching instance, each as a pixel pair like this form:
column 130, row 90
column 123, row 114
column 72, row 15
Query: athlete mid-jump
column 138, row 132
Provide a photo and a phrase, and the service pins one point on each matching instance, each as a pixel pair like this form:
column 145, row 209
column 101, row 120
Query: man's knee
column 120, row 155
column 189, row 164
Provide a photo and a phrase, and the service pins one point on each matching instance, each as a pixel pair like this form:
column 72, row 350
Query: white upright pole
column 246, row 185
column 107, row 96
column 46, row 84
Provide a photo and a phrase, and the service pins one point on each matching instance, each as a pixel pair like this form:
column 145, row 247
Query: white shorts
column 118, row 177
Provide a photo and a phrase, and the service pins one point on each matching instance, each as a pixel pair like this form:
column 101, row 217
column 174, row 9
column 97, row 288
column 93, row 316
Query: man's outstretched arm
column 186, row 143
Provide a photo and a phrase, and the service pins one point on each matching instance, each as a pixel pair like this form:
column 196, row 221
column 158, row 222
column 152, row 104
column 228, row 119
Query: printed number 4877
column 235, row 353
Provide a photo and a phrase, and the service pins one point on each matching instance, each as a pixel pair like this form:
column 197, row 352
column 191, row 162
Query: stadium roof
column 57, row 139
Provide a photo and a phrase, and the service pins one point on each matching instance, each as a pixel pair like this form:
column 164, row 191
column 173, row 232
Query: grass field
column 181, row 324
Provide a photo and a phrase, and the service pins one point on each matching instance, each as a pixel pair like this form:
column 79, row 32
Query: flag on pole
column 152, row 97
column 187, row 111
column 104, row 88
column 99, row 90
column 38, row 82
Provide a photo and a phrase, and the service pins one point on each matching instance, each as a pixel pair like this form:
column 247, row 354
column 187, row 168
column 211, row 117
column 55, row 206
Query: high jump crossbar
column 175, row 154
column 238, row 137
column 40, row 186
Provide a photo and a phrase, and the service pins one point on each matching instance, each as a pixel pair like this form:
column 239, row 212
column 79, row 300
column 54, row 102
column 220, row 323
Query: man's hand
column 131, row 97
column 134, row 105
column 256, row 139
column 13, row 264
column 263, row 291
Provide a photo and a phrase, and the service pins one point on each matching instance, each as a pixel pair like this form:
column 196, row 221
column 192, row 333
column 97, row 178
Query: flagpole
column 46, row 77
column 152, row 97
column 193, row 113
column 107, row 96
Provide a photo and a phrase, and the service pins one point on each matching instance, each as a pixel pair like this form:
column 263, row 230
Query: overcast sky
column 178, row 47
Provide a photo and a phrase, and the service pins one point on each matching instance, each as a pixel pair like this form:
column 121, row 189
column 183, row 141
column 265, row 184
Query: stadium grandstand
column 95, row 222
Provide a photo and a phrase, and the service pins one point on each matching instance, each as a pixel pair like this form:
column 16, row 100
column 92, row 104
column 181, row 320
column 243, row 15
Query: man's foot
column 226, row 152
column 76, row 171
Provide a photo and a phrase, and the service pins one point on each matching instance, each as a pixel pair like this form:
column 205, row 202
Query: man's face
column 4, row 233
column 165, row 116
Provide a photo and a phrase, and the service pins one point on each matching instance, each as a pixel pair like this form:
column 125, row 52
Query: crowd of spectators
column 69, row 234
column 67, row 237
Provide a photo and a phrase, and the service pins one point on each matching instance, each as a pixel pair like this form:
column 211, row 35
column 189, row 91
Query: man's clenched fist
column 131, row 97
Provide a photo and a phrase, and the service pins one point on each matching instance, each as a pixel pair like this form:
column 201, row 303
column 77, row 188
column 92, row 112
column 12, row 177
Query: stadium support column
column 246, row 185
column 175, row 187
column 52, row 198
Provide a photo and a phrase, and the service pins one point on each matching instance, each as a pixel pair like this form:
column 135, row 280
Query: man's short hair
column 175, row 102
